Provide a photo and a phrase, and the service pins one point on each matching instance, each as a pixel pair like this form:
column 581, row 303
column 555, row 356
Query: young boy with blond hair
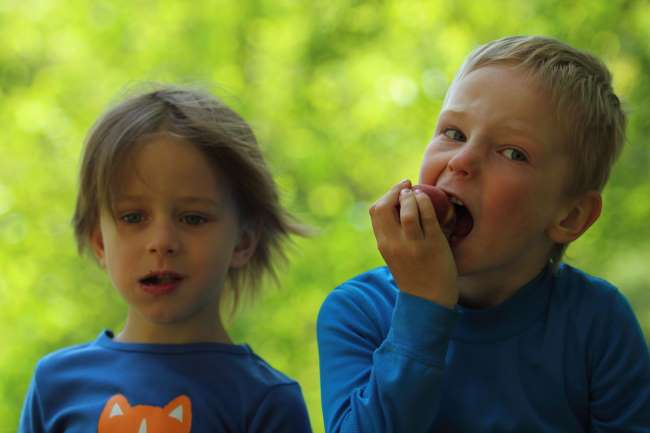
column 481, row 328
column 177, row 204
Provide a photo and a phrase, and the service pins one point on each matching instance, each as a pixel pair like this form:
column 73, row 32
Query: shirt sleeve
column 620, row 371
column 282, row 410
column 31, row 418
column 377, row 383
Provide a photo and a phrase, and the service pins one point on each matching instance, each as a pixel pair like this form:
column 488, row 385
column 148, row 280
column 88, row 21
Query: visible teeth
column 454, row 200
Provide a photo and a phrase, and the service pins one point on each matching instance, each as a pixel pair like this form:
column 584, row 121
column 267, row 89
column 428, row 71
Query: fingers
column 409, row 215
column 428, row 219
column 413, row 246
column 404, row 212
column 384, row 213
column 391, row 198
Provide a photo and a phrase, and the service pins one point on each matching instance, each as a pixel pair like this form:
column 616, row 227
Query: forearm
column 394, row 387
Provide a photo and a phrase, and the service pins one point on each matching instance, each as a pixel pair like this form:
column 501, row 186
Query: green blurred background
column 343, row 96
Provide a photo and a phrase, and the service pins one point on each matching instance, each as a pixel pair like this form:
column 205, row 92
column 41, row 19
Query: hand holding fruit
column 443, row 207
column 412, row 225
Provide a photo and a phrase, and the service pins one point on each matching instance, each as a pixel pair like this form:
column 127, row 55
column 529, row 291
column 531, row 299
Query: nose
column 465, row 161
column 163, row 240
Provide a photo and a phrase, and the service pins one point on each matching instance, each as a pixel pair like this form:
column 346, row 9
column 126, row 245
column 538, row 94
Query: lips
column 160, row 282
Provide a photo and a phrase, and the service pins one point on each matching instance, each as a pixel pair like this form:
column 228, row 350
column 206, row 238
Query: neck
column 140, row 331
column 489, row 290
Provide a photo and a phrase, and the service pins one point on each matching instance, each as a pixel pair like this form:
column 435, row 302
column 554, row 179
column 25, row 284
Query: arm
column 282, row 410
column 620, row 371
column 374, row 385
column 31, row 418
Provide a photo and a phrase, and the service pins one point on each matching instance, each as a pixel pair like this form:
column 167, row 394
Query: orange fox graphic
column 119, row 416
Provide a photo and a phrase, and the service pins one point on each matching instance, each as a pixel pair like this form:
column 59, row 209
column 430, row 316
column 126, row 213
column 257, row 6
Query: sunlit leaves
column 343, row 96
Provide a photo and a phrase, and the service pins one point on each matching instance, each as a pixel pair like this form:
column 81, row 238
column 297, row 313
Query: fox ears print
column 119, row 416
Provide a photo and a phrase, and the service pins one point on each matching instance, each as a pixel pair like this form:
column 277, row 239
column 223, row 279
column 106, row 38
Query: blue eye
column 132, row 218
column 515, row 155
column 454, row 134
column 194, row 220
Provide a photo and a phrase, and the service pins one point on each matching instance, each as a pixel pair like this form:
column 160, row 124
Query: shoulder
column 256, row 372
column 588, row 295
column 281, row 409
column 277, row 403
column 597, row 310
column 64, row 359
column 612, row 345
column 371, row 292
column 53, row 372
column 363, row 305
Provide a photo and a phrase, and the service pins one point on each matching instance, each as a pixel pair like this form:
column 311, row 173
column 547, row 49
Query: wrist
column 446, row 297
column 421, row 326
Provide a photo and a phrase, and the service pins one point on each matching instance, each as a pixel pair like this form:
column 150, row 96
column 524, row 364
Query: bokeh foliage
column 343, row 95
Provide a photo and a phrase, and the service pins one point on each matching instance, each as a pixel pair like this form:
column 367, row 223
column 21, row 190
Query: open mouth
column 463, row 221
column 160, row 282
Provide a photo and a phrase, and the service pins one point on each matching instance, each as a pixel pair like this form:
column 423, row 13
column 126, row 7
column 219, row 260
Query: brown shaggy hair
column 228, row 143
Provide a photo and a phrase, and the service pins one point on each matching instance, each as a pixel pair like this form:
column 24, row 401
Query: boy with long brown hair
column 177, row 204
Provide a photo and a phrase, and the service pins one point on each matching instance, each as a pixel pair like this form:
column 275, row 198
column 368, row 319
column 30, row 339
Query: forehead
column 168, row 166
column 505, row 97
column 500, row 91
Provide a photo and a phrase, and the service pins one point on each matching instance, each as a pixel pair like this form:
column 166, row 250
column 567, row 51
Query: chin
column 163, row 317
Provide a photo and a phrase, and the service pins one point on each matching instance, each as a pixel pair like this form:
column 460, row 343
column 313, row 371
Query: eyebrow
column 521, row 134
column 450, row 111
column 185, row 199
column 506, row 127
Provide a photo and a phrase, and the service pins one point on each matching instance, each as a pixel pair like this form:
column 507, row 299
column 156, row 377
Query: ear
column 97, row 244
column 246, row 245
column 575, row 219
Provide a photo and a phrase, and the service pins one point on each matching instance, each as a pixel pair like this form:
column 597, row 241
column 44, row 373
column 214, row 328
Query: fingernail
column 405, row 191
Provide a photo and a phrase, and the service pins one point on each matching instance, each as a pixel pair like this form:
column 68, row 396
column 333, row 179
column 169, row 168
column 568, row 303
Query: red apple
column 441, row 203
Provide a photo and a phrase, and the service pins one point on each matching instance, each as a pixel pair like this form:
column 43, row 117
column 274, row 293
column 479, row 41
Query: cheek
column 214, row 254
column 114, row 261
column 433, row 164
column 119, row 257
column 515, row 203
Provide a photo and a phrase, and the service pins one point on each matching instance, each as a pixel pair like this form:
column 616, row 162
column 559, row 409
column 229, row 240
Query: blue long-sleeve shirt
column 564, row 354
column 111, row 387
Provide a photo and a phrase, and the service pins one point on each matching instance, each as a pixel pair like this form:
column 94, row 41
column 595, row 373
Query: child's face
column 499, row 150
column 176, row 222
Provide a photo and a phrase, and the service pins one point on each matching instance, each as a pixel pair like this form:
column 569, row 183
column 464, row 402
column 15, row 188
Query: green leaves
column 343, row 97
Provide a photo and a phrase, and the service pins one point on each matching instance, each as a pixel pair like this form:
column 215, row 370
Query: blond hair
column 580, row 87
column 225, row 139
